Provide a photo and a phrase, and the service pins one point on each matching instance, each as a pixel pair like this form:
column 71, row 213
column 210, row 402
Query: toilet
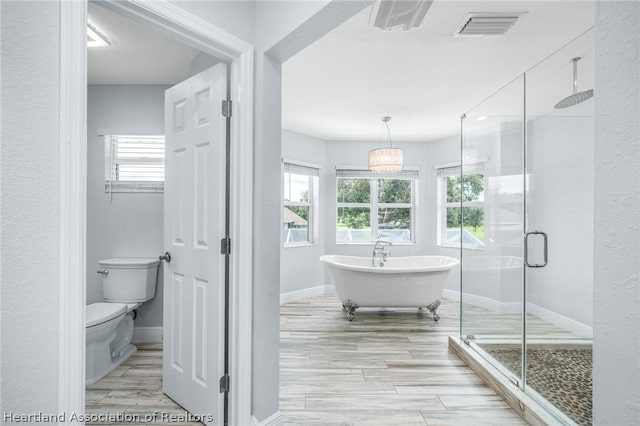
column 126, row 284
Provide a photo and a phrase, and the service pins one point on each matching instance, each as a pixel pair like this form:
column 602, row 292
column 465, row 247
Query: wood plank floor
column 135, row 389
column 387, row 367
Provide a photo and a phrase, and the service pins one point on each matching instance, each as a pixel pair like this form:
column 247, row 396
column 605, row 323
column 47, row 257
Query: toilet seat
column 99, row 313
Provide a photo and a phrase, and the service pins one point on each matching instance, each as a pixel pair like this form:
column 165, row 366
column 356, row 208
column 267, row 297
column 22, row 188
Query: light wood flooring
column 387, row 367
column 135, row 388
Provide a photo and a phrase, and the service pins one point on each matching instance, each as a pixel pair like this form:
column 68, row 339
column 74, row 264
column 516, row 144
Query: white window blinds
column 299, row 169
column 134, row 163
column 360, row 173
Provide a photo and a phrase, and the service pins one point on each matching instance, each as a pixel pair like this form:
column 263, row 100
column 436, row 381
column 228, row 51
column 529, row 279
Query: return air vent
column 483, row 24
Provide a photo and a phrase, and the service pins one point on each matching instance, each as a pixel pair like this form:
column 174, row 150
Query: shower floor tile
column 561, row 376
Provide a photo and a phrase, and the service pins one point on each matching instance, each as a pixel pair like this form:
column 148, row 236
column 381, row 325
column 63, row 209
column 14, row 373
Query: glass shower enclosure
column 527, row 293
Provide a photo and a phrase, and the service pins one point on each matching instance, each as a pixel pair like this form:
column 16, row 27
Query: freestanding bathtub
column 415, row 281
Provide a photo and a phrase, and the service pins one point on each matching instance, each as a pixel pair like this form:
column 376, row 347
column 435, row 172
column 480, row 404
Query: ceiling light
column 95, row 38
column 386, row 160
column 481, row 118
column 399, row 15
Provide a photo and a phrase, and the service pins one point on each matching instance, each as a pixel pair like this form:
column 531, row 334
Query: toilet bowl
column 103, row 320
column 126, row 284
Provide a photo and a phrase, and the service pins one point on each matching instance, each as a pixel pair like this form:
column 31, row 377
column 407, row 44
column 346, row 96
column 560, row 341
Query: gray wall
column 560, row 203
column 131, row 225
column 299, row 266
column 29, row 212
column 616, row 348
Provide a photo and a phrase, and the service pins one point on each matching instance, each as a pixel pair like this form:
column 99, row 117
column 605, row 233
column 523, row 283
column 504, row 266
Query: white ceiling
column 339, row 87
column 137, row 55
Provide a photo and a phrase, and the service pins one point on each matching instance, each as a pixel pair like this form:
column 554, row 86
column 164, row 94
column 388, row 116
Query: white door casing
column 194, row 206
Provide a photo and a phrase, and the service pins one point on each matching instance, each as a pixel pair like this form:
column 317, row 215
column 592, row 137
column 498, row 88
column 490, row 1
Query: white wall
column 29, row 208
column 299, row 266
column 560, row 203
column 616, row 348
column 234, row 16
column 131, row 224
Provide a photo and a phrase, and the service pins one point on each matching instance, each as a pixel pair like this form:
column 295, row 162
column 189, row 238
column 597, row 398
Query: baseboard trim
column 147, row 334
column 274, row 420
column 485, row 302
column 294, row 296
column 566, row 323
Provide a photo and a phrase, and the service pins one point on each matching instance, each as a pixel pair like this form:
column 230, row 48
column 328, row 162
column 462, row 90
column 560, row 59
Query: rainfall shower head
column 576, row 97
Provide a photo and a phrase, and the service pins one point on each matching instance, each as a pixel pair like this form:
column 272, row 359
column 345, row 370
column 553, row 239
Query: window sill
column 371, row 243
column 457, row 247
column 299, row 245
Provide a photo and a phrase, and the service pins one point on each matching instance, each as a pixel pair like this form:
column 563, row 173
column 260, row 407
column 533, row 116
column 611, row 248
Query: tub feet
column 350, row 306
column 432, row 308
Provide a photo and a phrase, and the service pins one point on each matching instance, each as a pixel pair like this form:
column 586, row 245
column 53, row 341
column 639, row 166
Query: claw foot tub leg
column 350, row 306
column 432, row 308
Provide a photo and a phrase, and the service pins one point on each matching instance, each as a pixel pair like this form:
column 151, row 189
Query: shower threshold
column 532, row 407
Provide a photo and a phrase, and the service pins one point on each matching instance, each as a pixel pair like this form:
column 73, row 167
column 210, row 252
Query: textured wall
column 131, row 224
column 617, row 215
column 29, row 212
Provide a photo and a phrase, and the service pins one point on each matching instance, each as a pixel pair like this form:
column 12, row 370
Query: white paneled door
column 194, row 224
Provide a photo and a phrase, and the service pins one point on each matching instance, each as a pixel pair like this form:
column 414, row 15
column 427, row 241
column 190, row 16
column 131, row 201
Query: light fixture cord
column 386, row 123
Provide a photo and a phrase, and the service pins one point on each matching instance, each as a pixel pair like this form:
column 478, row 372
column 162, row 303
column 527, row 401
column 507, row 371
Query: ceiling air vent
column 483, row 24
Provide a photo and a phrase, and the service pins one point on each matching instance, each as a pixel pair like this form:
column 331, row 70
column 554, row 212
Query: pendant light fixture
column 386, row 160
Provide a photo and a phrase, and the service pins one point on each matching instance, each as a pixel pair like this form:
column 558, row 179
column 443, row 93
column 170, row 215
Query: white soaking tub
column 415, row 281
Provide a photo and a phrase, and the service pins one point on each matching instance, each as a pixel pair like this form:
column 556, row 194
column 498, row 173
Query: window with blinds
column 300, row 183
column 461, row 212
column 134, row 163
column 373, row 205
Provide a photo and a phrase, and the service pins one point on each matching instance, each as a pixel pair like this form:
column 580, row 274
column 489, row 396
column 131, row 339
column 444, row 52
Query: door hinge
column 225, row 246
column 225, row 383
column 226, row 108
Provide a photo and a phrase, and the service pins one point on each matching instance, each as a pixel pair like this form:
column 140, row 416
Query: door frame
column 194, row 31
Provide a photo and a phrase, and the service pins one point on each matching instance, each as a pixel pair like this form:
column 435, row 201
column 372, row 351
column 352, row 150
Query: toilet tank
column 129, row 279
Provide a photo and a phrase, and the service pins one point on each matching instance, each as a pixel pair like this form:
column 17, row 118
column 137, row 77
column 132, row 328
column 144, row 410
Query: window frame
column 312, row 172
column 443, row 205
column 374, row 205
column 116, row 185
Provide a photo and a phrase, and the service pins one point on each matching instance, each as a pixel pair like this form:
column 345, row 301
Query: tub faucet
column 379, row 250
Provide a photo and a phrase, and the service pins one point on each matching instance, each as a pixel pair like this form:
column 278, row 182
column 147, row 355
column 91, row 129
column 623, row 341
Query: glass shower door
column 559, row 216
column 491, row 215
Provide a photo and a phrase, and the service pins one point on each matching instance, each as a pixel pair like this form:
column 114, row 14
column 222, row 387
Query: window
column 370, row 207
column 134, row 163
column 452, row 196
column 300, row 187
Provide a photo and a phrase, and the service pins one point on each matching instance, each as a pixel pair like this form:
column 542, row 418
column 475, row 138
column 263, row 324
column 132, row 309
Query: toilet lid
column 98, row 313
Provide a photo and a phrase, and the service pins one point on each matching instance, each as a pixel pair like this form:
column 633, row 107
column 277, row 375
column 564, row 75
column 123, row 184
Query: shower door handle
column 545, row 253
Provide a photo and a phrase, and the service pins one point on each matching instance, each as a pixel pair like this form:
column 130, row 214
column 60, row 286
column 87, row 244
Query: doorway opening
column 212, row 41
column 389, row 357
